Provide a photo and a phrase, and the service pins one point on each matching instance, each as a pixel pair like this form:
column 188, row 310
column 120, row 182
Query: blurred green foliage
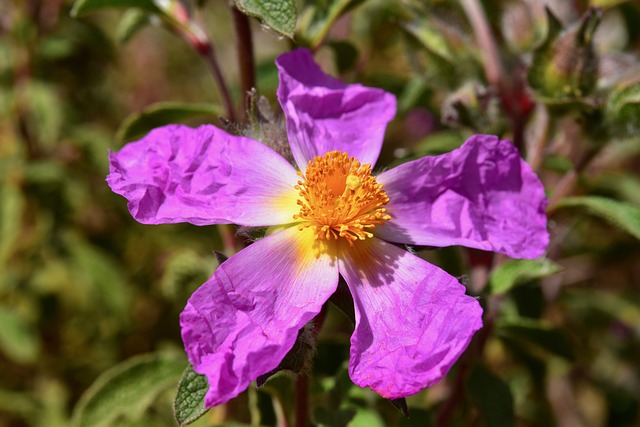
column 89, row 299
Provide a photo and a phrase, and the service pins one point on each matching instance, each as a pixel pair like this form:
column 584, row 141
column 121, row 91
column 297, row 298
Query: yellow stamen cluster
column 340, row 198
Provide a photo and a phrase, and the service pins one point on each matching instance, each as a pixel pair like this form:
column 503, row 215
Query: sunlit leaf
column 317, row 18
column 126, row 390
column 84, row 6
column 623, row 215
column 18, row 339
column 163, row 113
column 188, row 404
column 367, row 417
column 606, row 3
column 493, row 397
column 132, row 21
column 518, row 271
column 11, row 207
column 279, row 15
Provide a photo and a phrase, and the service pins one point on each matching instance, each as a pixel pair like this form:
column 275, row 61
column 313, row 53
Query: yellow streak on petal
column 309, row 249
column 287, row 203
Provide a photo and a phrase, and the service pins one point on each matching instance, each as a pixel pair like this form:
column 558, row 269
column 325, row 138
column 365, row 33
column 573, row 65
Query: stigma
column 340, row 198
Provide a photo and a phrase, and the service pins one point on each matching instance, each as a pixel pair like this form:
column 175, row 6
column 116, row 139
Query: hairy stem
column 246, row 61
column 229, row 241
column 302, row 400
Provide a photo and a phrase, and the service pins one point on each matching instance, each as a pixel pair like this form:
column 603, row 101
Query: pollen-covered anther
column 340, row 198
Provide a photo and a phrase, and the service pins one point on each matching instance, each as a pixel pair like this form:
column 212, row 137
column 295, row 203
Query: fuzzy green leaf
column 84, row 6
column 279, row 15
column 188, row 404
column 160, row 114
column 623, row 215
column 126, row 390
column 623, row 110
column 518, row 271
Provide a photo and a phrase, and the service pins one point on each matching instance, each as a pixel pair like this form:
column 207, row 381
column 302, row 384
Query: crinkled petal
column 324, row 114
column 413, row 320
column 482, row 195
column 242, row 322
column 203, row 176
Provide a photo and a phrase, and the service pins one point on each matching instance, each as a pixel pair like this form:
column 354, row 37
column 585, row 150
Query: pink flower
column 333, row 217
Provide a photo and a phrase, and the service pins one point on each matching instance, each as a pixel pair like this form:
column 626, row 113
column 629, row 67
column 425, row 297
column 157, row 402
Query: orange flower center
column 340, row 198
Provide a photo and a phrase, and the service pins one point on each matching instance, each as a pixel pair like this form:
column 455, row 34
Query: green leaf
column 346, row 55
column 188, row 404
column 621, row 185
column 623, row 109
column 536, row 334
column 623, row 215
column 493, row 397
column 84, row 6
column 18, row 340
column 184, row 271
column 518, row 271
column 317, row 19
column 12, row 204
column 366, row 417
column 126, row 390
column 331, row 417
column 44, row 116
column 279, row 15
column 160, row 114
column 132, row 21
column 101, row 274
column 18, row 403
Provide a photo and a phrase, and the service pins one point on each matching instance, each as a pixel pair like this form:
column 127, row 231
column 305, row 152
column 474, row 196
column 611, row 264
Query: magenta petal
column 324, row 114
column 203, row 176
column 482, row 195
column 413, row 320
column 242, row 322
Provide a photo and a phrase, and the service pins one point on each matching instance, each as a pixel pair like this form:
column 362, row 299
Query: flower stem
column 540, row 138
column 569, row 180
column 229, row 241
column 510, row 87
column 246, row 62
column 482, row 32
column 210, row 56
column 302, row 400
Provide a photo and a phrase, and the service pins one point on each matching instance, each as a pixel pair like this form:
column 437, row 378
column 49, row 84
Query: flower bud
column 566, row 65
column 178, row 19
